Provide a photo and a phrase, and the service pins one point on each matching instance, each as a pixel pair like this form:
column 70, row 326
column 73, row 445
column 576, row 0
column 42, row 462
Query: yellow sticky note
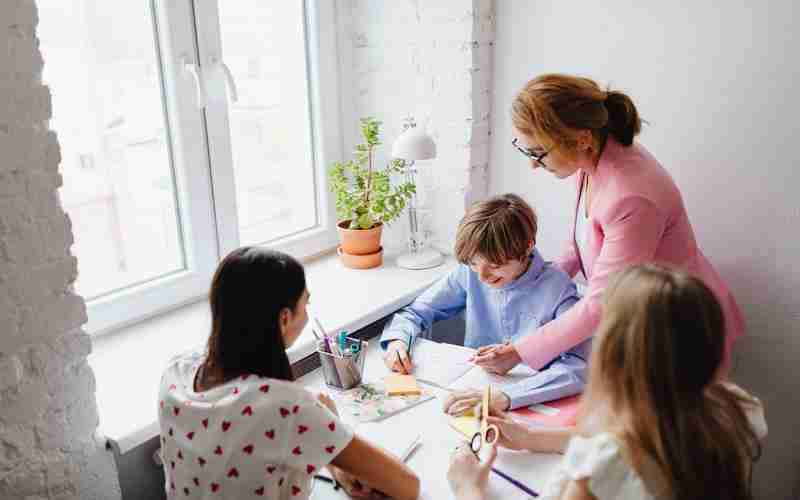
column 401, row 385
column 466, row 425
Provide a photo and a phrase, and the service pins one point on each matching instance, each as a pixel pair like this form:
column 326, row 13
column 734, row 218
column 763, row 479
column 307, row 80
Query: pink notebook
column 560, row 413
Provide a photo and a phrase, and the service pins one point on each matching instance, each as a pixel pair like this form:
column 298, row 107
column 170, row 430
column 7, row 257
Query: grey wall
column 717, row 82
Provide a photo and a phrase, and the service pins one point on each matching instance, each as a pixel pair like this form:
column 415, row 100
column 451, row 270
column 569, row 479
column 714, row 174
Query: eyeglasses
column 529, row 153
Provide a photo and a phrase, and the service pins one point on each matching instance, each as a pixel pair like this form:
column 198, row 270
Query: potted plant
column 366, row 199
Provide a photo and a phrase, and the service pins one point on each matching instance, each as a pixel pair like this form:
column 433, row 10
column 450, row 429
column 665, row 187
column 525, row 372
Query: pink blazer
column 636, row 216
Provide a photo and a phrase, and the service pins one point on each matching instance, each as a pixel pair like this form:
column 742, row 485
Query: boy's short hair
column 499, row 229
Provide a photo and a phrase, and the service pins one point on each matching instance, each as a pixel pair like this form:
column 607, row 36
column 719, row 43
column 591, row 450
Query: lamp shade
column 414, row 144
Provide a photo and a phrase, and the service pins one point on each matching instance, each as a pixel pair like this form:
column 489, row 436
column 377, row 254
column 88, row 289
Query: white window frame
column 202, row 159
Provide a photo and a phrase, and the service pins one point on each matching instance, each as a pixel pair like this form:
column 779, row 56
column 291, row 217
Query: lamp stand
column 418, row 256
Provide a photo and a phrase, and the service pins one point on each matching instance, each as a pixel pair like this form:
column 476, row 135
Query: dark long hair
column 250, row 288
column 654, row 364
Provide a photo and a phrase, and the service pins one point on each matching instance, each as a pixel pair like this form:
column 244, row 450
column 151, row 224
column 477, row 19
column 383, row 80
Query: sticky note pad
column 401, row 385
column 466, row 425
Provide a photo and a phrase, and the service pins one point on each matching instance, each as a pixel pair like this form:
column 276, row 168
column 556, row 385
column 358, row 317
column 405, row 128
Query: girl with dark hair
column 234, row 424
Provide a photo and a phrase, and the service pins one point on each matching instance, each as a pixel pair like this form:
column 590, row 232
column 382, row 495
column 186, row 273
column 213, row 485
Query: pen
column 410, row 450
column 515, row 482
column 327, row 479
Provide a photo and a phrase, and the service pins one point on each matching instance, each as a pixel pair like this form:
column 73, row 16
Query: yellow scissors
column 488, row 434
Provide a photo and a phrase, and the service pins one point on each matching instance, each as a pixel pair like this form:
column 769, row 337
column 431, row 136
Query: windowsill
column 128, row 363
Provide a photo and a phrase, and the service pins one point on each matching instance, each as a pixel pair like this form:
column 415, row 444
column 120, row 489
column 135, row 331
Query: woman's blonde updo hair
column 551, row 108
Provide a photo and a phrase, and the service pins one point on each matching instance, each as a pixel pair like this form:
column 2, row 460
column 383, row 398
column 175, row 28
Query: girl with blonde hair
column 655, row 421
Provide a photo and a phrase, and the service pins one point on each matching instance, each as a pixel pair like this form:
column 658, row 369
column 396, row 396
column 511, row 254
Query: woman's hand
column 497, row 358
column 396, row 357
column 350, row 484
column 513, row 435
column 467, row 476
column 460, row 402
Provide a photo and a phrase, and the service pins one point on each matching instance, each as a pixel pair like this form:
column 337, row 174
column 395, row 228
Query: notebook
column 371, row 402
column 478, row 378
column 559, row 413
column 439, row 364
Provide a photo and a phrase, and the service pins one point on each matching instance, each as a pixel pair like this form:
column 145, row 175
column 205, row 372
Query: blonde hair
column 499, row 229
column 551, row 108
column 653, row 368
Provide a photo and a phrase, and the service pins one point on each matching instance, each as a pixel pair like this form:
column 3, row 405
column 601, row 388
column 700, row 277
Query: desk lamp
column 412, row 145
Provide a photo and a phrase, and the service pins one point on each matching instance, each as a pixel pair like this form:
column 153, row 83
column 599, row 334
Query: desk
column 431, row 460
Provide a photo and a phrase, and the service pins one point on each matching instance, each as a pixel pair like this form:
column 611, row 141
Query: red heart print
column 310, row 469
column 172, row 387
column 248, row 449
column 332, row 426
column 172, row 485
column 264, row 388
column 225, row 426
column 176, row 411
column 280, row 483
column 196, row 481
column 297, row 451
column 330, row 449
column 161, row 404
column 218, row 450
column 214, row 487
column 180, row 454
column 295, row 409
column 259, row 492
column 295, row 491
column 245, row 376
column 284, row 412
column 170, row 431
column 186, row 491
column 236, row 390
column 190, row 435
column 201, row 461
column 172, row 464
column 301, row 429
column 270, row 469
column 205, row 423
column 248, row 410
column 233, row 472
column 270, row 433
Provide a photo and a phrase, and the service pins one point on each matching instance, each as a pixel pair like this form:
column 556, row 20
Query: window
column 188, row 128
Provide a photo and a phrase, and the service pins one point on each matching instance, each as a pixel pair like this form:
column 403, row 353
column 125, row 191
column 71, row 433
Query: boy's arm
column 442, row 300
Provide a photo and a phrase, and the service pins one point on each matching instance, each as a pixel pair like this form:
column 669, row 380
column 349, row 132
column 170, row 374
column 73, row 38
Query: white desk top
column 431, row 460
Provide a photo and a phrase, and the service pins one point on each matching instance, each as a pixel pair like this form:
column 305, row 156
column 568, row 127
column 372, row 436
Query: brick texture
column 433, row 61
column 48, row 413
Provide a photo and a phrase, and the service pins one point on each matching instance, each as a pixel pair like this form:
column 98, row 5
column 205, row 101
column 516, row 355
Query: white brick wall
column 430, row 60
column 48, row 414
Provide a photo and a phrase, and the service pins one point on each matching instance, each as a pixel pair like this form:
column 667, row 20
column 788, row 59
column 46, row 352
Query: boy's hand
column 396, row 357
column 498, row 358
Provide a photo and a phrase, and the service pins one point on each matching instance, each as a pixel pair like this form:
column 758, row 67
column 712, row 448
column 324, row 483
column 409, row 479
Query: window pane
column 119, row 190
column 264, row 47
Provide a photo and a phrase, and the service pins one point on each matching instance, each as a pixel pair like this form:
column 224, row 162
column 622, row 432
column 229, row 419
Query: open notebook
column 437, row 363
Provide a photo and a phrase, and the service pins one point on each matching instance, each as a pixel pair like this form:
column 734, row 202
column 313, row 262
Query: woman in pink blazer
column 628, row 209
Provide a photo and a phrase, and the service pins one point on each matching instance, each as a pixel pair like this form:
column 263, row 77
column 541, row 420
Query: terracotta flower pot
column 360, row 241
column 361, row 261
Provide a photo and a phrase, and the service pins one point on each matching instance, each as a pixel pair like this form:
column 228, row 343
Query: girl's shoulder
column 753, row 409
column 601, row 461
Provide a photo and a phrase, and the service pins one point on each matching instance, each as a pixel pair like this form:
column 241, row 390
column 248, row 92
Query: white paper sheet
column 477, row 378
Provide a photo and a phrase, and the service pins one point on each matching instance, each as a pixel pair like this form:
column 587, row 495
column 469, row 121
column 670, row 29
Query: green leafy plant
column 365, row 195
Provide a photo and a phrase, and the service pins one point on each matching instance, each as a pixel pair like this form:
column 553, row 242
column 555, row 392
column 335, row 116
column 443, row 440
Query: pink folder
column 559, row 413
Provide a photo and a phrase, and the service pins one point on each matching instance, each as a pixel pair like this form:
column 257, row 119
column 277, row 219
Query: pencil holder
column 343, row 371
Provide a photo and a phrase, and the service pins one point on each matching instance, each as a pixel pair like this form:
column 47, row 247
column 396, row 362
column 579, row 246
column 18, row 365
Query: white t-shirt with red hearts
column 251, row 437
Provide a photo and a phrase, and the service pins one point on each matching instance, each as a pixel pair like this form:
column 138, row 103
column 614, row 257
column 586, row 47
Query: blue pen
column 342, row 341
column 515, row 482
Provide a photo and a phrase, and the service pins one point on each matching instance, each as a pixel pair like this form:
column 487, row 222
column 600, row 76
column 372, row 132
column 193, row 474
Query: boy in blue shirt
column 506, row 290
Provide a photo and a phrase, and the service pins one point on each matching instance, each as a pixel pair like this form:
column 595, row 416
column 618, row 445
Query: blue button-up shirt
column 495, row 315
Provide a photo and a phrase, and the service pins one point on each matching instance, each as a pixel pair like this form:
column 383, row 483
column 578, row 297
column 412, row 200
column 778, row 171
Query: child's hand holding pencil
column 397, row 357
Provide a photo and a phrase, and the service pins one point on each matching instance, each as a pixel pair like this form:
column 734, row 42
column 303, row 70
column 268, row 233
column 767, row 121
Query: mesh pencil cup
column 344, row 371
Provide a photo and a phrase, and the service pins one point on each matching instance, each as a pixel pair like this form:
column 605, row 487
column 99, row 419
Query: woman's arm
column 517, row 436
column 633, row 230
column 378, row 470
column 577, row 490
